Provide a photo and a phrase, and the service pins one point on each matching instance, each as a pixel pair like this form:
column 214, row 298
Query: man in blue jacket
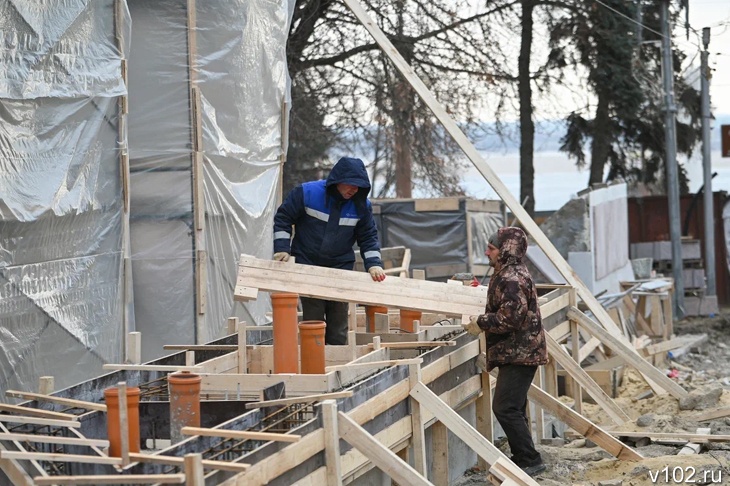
column 329, row 217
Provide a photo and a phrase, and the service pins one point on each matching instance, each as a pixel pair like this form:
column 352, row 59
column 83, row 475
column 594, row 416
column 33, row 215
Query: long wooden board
column 628, row 353
column 489, row 175
column 349, row 286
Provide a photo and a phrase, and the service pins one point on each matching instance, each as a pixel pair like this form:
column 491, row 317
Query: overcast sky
column 716, row 15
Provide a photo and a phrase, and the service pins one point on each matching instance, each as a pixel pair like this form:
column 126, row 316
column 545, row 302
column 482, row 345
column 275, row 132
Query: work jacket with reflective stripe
column 326, row 228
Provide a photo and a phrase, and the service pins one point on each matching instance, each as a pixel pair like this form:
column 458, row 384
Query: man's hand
column 472, row 328
column 377, row 273
column 282, row 256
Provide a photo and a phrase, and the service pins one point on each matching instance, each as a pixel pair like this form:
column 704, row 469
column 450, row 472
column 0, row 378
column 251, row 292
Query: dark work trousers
column 509, row 405
column 332, row 312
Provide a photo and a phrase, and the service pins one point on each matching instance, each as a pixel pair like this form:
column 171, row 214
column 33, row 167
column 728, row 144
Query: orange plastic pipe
column 407, row 316
column 370, row 311
column 312, row 336
column 113, row 428
column 184, row 402
column 286, row 340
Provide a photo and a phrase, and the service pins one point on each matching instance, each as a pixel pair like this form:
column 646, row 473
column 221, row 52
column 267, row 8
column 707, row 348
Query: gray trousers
column 331, row 312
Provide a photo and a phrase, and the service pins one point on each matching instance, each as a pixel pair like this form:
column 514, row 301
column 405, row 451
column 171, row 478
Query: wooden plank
column 555, row 305
column 464, row 431
column 304, row 399
column 200, row 347
column 628, row 353
column 711, row 414
column 112, row 479
column 241, row 351
column 59, row 400
column 484, row 420
column 180, row 462
column 251, row 385
column 35, row 412
column 583, row 426
column 375, row 364
column 348, row 286
column 20, row 419
column 241, row 434
column 331, row 443
column 417, row 344
column 437, row 204
column 129, row 367
column 383, row 457
column 54, row 439
column 579, row 374
column 688, row 436
column 54, row 457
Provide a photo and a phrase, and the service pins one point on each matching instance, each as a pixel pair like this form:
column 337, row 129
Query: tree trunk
column 601, row 140
column 527, row 126
column 403, row 104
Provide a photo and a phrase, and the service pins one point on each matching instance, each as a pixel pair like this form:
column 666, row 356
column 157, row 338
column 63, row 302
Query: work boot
column 534, row 470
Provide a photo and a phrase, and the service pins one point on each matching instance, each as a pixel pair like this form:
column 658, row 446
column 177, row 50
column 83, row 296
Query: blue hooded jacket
column 327, row 225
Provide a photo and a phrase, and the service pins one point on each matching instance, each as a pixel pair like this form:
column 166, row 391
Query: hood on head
column 349, row 170
column 513, row 244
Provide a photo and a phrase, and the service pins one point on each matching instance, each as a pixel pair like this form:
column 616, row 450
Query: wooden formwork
column 396, row 387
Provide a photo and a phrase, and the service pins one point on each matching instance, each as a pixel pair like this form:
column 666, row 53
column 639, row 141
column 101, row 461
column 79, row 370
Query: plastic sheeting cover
column 61, row 214
column 234, row 56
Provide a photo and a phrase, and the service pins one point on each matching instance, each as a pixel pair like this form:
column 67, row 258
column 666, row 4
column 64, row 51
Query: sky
column 716, row 15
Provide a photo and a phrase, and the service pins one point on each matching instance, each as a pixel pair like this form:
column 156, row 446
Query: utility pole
column 707, row 167
column 670, row 135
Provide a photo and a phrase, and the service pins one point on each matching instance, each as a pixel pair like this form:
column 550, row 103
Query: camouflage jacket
column 512, row 317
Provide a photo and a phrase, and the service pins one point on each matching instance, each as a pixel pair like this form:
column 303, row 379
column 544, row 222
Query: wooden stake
column 417, row 425
column 242, row 342
column 123, row 422
column 134, row 348
column 46, row 385
column 194, row 475
column 331, row 443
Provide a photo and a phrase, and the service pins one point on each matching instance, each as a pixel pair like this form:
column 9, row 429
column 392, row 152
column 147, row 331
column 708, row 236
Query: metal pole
column 707, row 168
column 670, row 131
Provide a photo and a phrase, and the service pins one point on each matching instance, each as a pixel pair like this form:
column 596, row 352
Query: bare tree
column 364, row 104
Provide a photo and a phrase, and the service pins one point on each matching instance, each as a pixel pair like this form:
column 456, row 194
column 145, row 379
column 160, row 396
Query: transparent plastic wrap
column 61, row 206
column 208, row 93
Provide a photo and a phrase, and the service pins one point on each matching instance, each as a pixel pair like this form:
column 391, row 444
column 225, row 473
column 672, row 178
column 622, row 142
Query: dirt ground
column 704, row 372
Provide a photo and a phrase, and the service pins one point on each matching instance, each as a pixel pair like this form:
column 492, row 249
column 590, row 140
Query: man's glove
column 472, row 328
column 377, row 273
column 282, row 256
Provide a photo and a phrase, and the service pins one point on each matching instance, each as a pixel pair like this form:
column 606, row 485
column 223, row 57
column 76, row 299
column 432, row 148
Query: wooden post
column 46, row 385
column 352, row 316
column 577, row 392
column 485, row 424
column 419, row 439
column 440, row 447
column 189, row 358
column 134, row 348
column 382, row 323
column 123, row 422
column 352, row 343
column 194, row 475
column 232, row 325
column 242, row 355
column 418, row 274
column 331, row 443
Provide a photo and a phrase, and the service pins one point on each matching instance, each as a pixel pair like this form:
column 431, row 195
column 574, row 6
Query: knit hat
column 494, row 240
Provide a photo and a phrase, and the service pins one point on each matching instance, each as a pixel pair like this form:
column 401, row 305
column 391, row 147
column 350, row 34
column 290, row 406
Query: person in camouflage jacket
column 515, row 341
